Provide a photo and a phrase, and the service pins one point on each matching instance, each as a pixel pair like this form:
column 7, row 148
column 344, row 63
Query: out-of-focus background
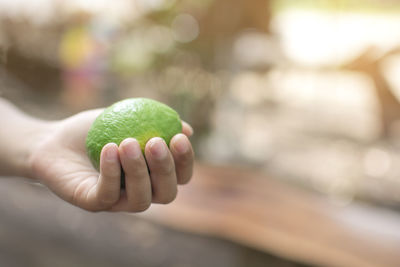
column 296, row 111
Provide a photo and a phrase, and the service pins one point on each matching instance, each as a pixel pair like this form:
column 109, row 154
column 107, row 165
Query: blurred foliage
column 368, row 6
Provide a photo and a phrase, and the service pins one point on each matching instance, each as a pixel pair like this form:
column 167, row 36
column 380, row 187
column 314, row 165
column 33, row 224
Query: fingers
column 107, row 190
column 137, row 179
column 145, row 182
column 187, row 129
column 183, row 155
column 162, row 171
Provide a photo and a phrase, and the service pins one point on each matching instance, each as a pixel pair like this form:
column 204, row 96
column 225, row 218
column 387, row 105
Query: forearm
column 20, row 133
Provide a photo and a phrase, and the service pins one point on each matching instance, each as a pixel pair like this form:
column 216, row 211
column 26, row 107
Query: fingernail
column 111, row 154
column 182, row 144
column 132, row 148
column 158, row 148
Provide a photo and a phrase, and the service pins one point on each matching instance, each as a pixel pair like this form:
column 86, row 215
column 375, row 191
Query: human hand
column 59, row 161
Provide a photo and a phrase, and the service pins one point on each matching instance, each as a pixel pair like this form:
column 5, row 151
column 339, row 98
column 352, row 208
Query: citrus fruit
column 139, row 118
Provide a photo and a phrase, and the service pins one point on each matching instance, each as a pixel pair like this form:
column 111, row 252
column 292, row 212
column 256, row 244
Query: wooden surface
column 217, row 217
column 249, row 208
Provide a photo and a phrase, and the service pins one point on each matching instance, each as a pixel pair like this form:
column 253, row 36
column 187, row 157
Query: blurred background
column 302, row 93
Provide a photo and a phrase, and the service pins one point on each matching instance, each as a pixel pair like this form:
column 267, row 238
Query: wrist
column 21, row 136
column 38, row 132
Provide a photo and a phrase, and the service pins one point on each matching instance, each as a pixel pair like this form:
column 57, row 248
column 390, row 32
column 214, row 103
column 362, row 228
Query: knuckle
column 186, row 158
column 111, row 171
column 184, row 173
column 135, row 168
column 108, row 199
column 185, row 180
column 141, row 171
column 77, row 194
column 140, row 206
column 166, row 199
column 167, row 169
column 187, row 175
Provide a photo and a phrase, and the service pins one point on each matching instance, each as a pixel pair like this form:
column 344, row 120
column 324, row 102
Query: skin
column 54, row 153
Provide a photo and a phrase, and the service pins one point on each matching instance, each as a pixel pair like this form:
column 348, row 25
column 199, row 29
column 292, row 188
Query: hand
column 59, row 161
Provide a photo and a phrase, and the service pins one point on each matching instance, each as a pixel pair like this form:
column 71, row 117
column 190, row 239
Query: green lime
column 140, row 118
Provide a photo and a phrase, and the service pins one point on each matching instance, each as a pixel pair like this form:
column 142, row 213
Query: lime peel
column 139, row 118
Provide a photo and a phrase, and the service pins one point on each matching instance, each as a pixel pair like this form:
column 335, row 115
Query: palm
column 61, row 159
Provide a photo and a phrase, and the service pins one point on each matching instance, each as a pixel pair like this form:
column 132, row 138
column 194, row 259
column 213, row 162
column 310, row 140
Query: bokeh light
column 296, row 112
